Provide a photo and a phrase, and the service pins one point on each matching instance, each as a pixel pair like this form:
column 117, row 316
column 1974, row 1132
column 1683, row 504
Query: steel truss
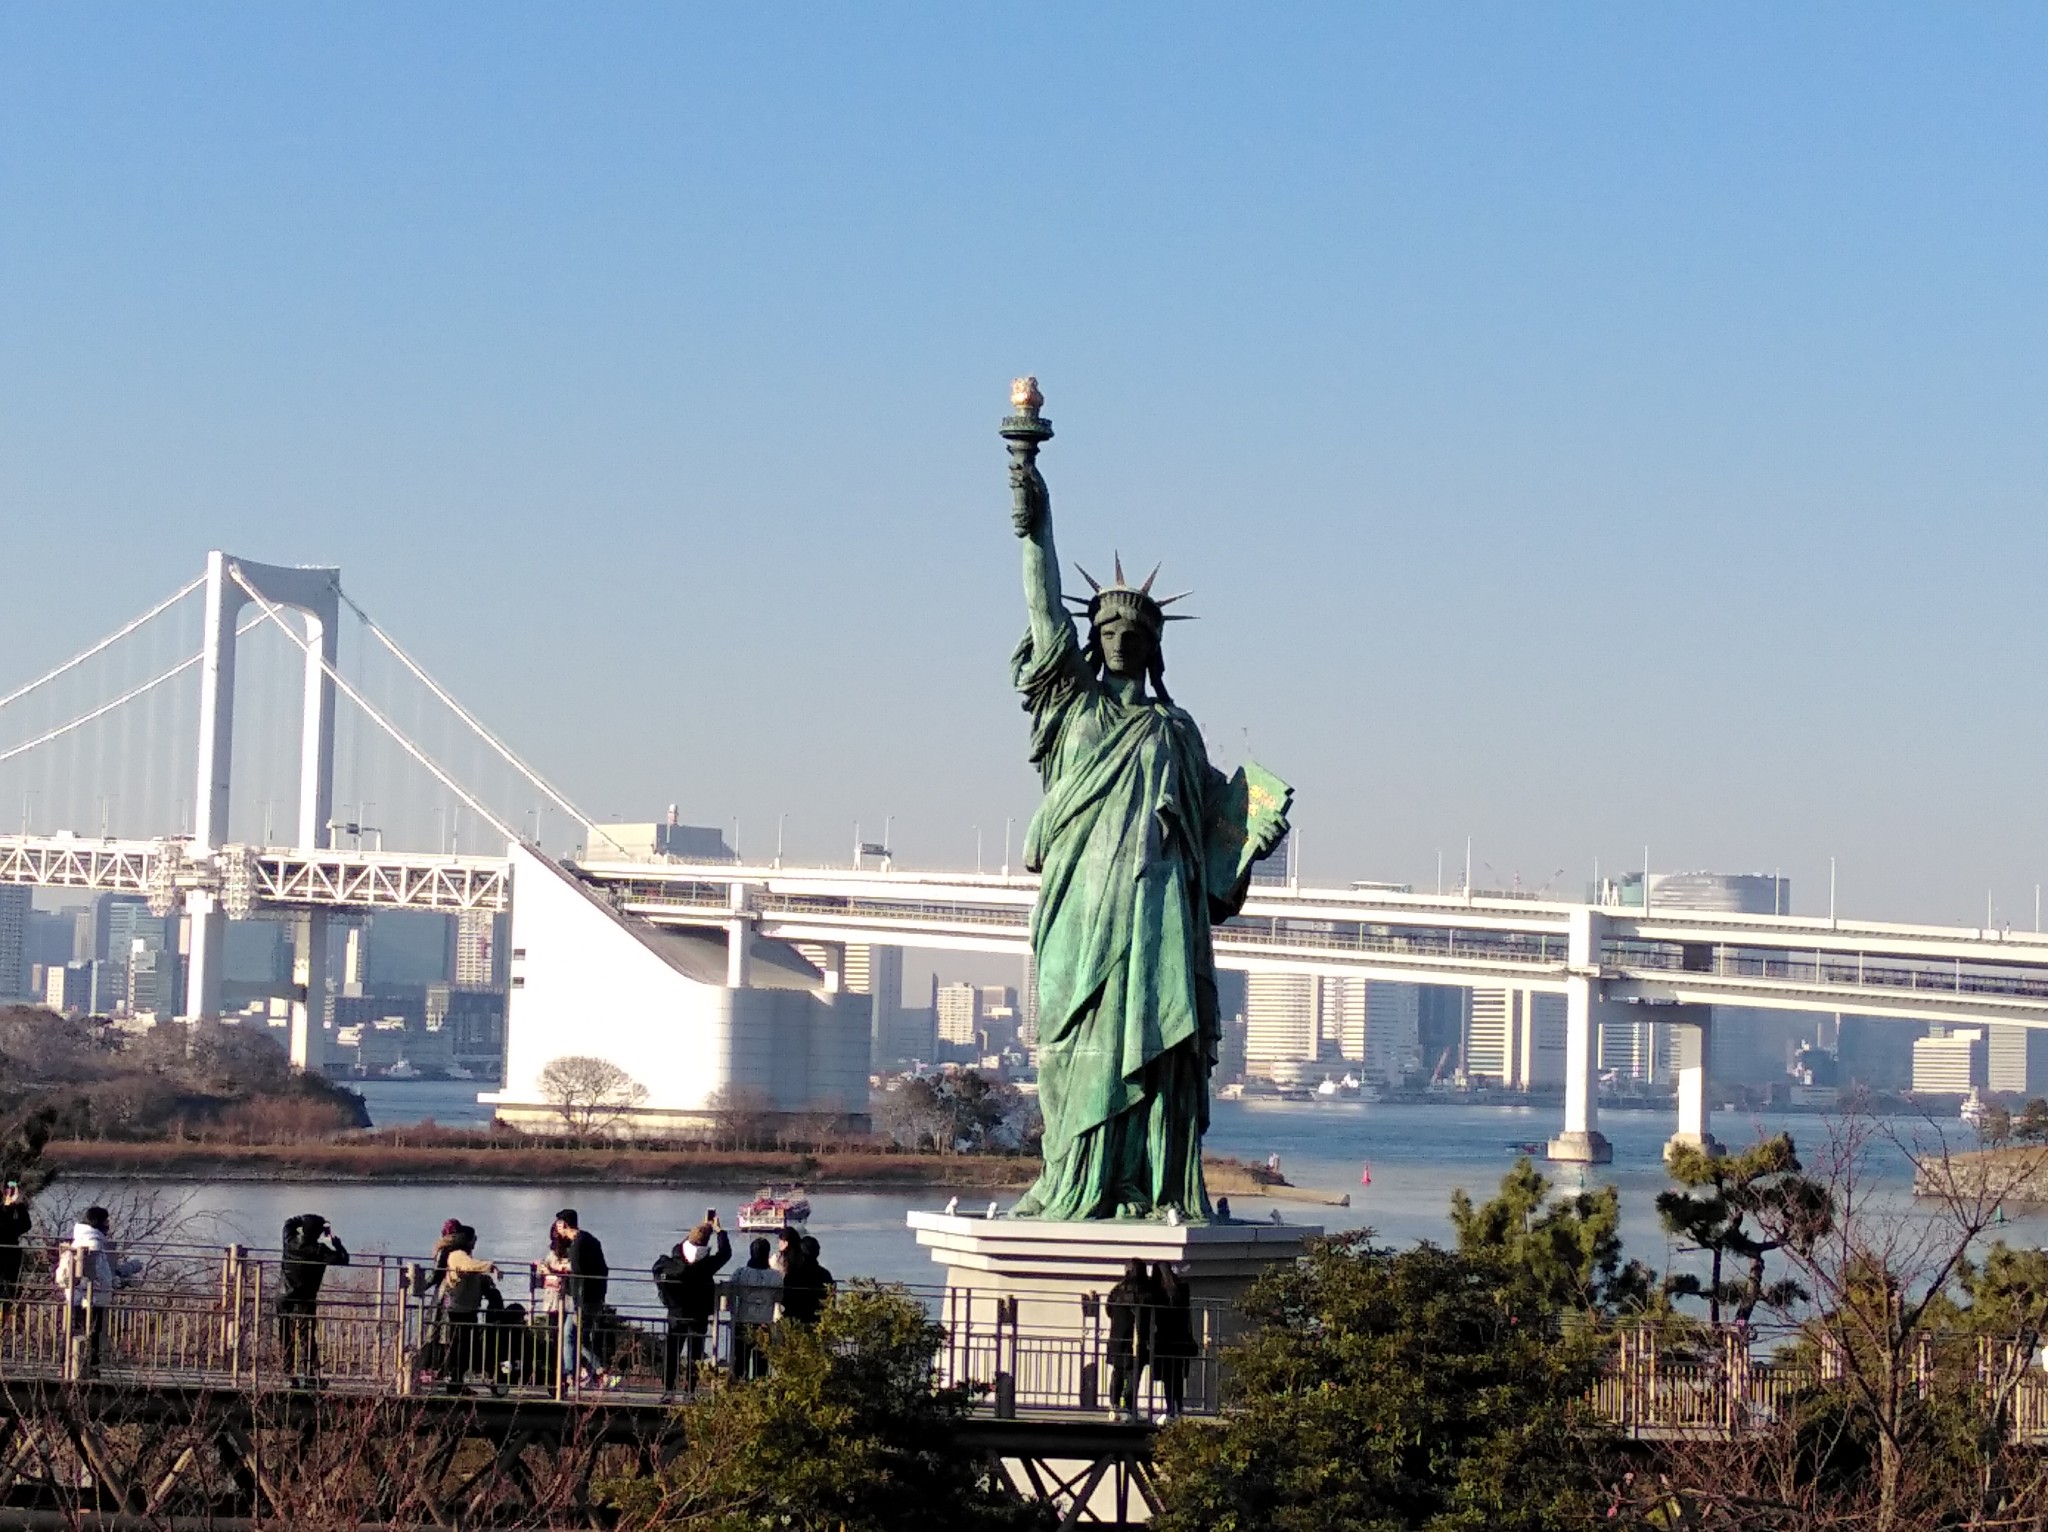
column 129, row 1455
column 251, row 878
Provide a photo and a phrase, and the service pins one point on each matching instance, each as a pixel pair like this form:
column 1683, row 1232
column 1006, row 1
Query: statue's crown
column 1134, row 603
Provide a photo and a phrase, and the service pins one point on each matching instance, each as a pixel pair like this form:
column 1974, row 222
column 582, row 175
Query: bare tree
column 745, row 1117
column 591, row 1094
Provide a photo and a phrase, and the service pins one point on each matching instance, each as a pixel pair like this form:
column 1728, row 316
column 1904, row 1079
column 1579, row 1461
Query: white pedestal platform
column 1056, row 1272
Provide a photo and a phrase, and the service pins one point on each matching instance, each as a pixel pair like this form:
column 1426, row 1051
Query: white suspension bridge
column 105, row 749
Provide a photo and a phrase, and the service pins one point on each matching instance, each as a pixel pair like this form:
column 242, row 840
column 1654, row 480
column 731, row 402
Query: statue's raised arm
column 1031, row 512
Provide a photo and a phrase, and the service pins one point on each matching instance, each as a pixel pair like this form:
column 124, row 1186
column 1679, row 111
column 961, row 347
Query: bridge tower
column 315, row 595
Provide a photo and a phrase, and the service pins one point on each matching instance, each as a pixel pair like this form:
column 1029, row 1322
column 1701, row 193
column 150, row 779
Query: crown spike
column 1146, row 588
column 1119, row 568
column 1093, row 583
column 1179, row 617
column 1179, row 596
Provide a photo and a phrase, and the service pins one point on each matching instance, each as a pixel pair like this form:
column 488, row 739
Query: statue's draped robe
column 1127, row 1025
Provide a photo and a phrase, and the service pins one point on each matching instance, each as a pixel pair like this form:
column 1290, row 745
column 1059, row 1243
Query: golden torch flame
column 1025, row 397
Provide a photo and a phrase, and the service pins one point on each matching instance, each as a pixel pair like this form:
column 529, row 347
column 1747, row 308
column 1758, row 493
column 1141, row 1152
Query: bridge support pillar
column 206, row 926
column 1582, row 1142
column 1694, row 1057
column 309, row 990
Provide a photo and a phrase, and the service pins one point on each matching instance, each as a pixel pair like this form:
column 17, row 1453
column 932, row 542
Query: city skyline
column 1492, row 327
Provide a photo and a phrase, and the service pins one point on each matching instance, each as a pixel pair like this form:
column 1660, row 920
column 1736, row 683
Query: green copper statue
column 1141, row 845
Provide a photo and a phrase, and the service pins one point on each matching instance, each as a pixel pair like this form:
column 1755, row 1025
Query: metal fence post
column 1006, row 1358
column 1091, row 1341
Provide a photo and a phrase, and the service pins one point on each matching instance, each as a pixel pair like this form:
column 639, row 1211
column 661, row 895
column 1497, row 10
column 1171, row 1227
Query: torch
column 1025, row 431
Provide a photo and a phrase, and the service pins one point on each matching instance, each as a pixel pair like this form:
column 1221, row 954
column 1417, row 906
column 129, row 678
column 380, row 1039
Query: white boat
column 401, row 1071
column 1328, row 1090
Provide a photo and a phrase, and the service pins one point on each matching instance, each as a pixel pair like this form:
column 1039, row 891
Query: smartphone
column 711, row 1215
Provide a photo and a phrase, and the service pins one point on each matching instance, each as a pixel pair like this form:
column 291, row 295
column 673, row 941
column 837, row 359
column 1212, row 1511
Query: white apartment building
column 1950, row 1061
column 1335, row 1018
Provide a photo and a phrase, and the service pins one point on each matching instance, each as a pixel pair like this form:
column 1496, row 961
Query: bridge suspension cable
column 590, row 827
column 104, row 644
column 128, row 696
column 334, row 675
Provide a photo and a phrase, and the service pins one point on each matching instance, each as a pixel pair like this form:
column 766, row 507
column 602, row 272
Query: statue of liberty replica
column 1142, row 846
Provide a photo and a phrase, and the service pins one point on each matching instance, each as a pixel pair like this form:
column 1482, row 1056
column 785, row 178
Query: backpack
column 670, row 1281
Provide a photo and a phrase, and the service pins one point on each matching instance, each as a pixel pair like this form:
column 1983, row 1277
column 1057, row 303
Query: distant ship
column 775, row 1207
column 401, row 1071
column 1974, row 1110
column 1351, row 1088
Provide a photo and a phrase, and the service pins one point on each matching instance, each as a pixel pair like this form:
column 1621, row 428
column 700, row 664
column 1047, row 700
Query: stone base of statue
column 1032, row 1290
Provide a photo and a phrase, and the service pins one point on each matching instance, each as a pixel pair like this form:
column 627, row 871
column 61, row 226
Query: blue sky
column 1584, row 426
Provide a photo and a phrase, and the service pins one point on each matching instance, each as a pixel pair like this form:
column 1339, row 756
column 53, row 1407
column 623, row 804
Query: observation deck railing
column 208, row 1317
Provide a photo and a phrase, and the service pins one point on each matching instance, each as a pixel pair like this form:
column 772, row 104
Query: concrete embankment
column 2013, row 1177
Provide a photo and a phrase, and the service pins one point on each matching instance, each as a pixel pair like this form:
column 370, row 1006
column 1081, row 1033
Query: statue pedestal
column 1043, row 1282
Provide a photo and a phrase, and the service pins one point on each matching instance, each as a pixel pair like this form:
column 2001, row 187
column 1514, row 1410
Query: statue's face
column 1128, row 647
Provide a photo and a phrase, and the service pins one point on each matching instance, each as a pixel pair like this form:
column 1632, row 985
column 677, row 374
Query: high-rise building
column 410, row 947
column 128, row 922
column 958, row 1009
column 52, row 936
column 1027, row 1003
column 481, row 958
column 1393, row 1026
column 14, row 959
column 1876, row 1052
column 2016, row 1060
column 1280, row 1019
column 1636, row 1051
column 1950, row 1061
column 153, row 981
column 1440, row 1028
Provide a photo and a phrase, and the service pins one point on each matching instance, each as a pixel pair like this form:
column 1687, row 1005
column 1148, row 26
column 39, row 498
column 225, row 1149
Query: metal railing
column 211, row 1317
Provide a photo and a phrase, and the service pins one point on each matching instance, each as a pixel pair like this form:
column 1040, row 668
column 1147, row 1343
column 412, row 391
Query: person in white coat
column 89, row 1269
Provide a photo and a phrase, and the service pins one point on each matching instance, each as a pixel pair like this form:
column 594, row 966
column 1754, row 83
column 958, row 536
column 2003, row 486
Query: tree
column 1995, row 1128
column 743, row 1117
column 1569, row 1248
column 2032, row 1127
column 589, row 1093
column 1718, row 1196
column 1424, row 1388
column 846, row 1434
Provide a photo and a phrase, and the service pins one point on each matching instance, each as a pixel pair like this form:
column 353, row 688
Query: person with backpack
column 806, row 1284
column 89, row 1270
column 310, row 1247
column 686, row 1279
column 583, row 1288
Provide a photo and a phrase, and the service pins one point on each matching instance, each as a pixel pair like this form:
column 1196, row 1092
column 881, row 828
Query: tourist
column 1132, row 1304
column 756, row 1289
column 552, row 1270
column 1223, row 1210
column 15, row 1218
column 804, row 1281
column 687, row 1281
column 584, row 1286
column 451, row 1233
column 1173, row 1337
column 827, row 1284
column 88, row 1272
column 309, row 1249
column 462, row 1297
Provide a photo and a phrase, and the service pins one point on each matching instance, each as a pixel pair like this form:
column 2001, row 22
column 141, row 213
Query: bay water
column 1415, row 1155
